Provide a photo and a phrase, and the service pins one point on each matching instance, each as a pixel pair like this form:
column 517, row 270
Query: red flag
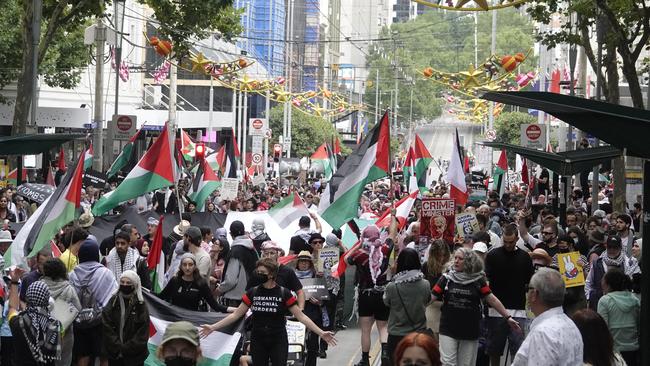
column 524, row 172
column 49, row 180
column 156, row 247
column 234, row 143
column 337, row 146
column 61, row 162
column 466, row 164
column 56, row 252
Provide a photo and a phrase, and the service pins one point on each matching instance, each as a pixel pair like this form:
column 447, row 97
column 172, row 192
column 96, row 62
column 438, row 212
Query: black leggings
column 391, row 345
column 269, row 350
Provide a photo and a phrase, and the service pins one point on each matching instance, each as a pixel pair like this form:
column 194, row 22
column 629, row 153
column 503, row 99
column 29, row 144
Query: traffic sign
column 123, row 126
column 257, row 126
column 491, row 135
column 257, row 159
column 533, row 136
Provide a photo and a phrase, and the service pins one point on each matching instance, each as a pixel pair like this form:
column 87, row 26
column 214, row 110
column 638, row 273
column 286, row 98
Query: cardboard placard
column 259, row 180
column 35, row 192
column 315, row 287
column 437, row 219
column 466, row 225
column 229, row 188
column 327, row 258
column 95, row 179
column 571, row 271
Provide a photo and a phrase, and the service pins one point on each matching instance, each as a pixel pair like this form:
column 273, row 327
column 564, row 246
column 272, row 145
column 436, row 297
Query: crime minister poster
column 437, row 219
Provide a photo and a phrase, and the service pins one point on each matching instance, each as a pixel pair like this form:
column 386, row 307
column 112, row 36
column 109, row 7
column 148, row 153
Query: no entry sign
column 123, row 126
column 257, row 126
column 533, row 136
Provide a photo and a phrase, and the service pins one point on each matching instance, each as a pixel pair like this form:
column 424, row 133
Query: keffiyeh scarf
column 41, row 331
column 115, row 263
column 408, row 276
column 629, row 266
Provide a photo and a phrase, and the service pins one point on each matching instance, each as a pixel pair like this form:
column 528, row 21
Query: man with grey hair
column 553, row 339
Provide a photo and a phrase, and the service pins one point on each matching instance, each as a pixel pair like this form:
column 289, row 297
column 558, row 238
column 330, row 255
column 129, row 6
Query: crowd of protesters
column 495, row 294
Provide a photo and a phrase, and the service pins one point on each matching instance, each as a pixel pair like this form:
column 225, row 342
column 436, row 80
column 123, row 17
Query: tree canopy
column 444, row 41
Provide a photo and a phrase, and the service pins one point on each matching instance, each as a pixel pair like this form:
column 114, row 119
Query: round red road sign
column 533, row 132
column 257, row 124
column 124, row 123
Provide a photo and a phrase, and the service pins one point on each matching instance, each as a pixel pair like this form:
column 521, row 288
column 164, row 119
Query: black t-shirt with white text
column 269, row 307
column 461, row 307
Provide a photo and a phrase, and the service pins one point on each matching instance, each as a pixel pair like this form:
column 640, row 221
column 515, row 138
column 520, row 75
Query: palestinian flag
column 156, row 260
column 288, row 210
column 332, row 158
column 12, row 178
column 217, row 349
column 408, row 169
column 88, row 158
column 456, row 175
column 215, row 160
column 422, row 158
column 125, row 156
column 49, row 179
column 57, row 210
column 322, row 157
column 402, row 207
column 188, row 147
column 500, row 171
column 205, row 182
column 155, row 170
column 229, row 165
column 369, row 162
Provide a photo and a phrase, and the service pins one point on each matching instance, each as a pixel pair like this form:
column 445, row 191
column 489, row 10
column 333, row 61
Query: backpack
column 91, row 313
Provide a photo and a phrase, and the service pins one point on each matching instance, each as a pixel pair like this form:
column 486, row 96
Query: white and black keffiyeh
column 42, row 331
column 115, row 263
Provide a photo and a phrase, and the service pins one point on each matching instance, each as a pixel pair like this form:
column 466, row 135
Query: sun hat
column 181, row 227
column 181, row 330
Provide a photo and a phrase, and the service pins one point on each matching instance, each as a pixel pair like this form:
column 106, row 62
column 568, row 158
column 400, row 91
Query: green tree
column 61, row 52
column 507, row 126
column 444, row 41
column 307, row 132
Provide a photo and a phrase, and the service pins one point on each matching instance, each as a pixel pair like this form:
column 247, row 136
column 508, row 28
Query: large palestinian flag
column 57, row 210
column 205, row 182
column 217, row 348
column 155, row 170
column 369, row 162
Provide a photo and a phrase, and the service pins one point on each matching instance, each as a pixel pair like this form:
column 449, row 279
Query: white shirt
column 554, row 340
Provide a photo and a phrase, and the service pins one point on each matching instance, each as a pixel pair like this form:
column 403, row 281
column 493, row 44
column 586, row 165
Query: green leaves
column 507, row 126
column 183, row 21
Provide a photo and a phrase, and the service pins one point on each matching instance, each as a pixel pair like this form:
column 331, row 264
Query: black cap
column 304, row 221
column 237, row 228
column 316, row 236
column 613, row 241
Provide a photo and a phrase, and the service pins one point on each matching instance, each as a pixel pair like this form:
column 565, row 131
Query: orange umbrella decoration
column 471, row 5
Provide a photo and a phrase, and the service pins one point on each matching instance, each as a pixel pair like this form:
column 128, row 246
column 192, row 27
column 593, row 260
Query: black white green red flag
column 156, row 169
column 217, row 349
column 369, row 162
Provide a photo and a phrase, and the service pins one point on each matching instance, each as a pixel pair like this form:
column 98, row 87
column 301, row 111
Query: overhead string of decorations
column 496, row 73
column 320, row 103
column 470, row 5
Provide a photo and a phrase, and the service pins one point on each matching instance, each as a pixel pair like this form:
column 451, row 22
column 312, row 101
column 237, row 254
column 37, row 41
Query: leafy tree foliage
column 507, row 126
column 444, row 41
column 307, row 132
column 62, row 54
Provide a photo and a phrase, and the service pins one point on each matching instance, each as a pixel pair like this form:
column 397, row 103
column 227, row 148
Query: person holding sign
column 573, row 272
column 270, row 304
column 314, row 306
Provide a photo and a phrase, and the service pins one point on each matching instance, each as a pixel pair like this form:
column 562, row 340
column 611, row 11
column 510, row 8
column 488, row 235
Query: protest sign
column 259, row 180
column 229, row 188
column 35, row 192
column 315, row 287
column 327, row 258
column 437, row 219
column 571, row 271
column 95, row 179
column 466, row 225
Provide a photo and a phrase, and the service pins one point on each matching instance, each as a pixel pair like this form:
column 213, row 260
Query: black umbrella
column 35, row 192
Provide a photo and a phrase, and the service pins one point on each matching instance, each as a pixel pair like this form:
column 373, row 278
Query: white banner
column 229, row 188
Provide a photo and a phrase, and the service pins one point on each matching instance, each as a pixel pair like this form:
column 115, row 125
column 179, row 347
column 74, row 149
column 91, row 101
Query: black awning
column 563, row 163
column 35, row 144
column 620, row 126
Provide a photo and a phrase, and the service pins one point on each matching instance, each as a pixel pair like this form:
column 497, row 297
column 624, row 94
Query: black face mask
column 179, row 361
column 126, row 289
column 259, row 279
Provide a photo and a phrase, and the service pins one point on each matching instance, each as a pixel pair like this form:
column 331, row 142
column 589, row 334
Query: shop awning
column 36, row 143
column 562, row 163
column 623, row 127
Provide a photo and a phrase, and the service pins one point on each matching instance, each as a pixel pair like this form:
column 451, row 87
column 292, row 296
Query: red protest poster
column 437, row 219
